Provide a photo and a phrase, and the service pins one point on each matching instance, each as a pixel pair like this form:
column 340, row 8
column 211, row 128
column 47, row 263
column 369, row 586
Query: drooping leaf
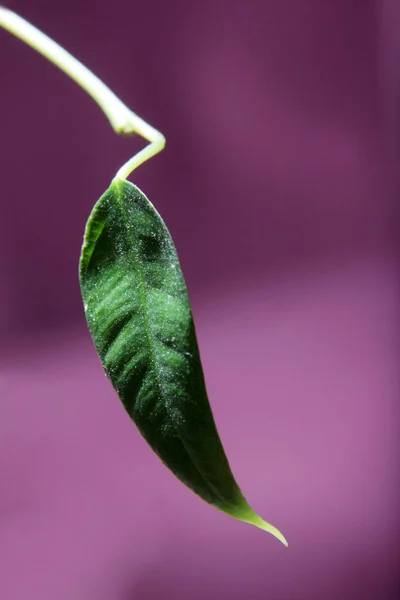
column 138, row 313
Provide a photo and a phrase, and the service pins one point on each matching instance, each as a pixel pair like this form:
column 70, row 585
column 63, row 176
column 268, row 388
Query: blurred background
column 279, row 184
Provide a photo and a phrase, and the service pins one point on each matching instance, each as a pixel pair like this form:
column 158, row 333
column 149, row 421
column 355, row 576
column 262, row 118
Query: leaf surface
column 138, row 313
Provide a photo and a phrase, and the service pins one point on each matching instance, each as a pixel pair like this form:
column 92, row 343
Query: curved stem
column 122, row 119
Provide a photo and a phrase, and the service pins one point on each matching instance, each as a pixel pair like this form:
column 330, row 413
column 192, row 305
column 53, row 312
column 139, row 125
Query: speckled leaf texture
column 138, row 313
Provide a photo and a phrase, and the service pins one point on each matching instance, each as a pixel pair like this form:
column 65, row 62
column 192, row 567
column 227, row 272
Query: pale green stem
column 122, row 119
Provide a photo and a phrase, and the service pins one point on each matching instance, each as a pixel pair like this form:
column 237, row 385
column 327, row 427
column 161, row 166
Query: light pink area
column 302, row 376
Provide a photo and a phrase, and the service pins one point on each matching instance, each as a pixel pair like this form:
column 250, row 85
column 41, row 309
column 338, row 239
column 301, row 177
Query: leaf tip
column 254, row 519
column 273, row 530
column 248, row 515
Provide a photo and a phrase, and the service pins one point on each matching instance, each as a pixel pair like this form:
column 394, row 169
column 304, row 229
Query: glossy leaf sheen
column 139, row 315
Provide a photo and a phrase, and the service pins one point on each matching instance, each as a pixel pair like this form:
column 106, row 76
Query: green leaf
column 138, row 313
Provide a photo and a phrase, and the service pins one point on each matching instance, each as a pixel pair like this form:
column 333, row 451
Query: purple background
column 279, row 185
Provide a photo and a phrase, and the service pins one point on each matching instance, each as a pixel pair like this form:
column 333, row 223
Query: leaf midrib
column 149, row 335
column 142, row 286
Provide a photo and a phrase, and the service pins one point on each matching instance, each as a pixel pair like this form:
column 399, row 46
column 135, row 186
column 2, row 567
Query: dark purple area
column 279, row 185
